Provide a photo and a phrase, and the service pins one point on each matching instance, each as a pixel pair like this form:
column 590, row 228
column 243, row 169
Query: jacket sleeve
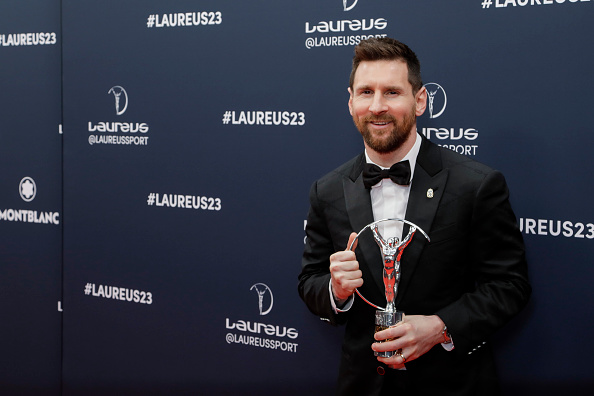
column 315, row 268
column 498, row 264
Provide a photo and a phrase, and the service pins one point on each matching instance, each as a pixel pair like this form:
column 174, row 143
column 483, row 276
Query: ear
column 350, row 100
column 420, row 101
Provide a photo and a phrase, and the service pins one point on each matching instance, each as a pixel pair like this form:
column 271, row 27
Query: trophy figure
column 391, row 254
column 391, row 249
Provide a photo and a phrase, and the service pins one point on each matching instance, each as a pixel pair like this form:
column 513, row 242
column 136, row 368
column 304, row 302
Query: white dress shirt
column 388, row 201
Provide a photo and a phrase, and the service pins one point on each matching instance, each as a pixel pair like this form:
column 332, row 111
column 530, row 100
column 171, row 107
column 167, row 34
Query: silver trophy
column 391, row 249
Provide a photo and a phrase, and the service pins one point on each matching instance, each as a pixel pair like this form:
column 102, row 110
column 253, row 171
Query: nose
column 378, row 104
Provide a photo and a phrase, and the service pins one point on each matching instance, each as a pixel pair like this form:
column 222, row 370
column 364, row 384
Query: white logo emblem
column 27, row 189
column 262, row 291
column 347, row 7
column 437, row 99
column 117, row 92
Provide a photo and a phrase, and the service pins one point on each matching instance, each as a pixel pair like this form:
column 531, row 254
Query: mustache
column 384, row 118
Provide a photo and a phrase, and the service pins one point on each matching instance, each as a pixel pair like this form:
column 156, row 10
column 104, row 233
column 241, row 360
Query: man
column 455, row 290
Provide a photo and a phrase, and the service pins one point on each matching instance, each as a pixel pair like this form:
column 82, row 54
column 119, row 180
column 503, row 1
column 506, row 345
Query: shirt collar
column 411, row 156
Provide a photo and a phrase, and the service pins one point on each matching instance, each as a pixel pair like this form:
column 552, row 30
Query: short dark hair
column 385, row 48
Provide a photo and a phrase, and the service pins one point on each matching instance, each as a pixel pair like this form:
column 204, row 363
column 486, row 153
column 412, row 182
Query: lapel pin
column 430, row 193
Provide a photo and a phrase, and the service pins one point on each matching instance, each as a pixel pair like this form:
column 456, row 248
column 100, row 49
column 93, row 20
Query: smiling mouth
column 379, row 123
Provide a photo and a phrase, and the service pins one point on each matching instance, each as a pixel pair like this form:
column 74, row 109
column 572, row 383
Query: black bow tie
column 399, row 173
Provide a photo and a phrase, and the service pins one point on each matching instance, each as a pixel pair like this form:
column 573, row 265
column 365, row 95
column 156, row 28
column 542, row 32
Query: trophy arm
column 405, row 242
column 376, row 235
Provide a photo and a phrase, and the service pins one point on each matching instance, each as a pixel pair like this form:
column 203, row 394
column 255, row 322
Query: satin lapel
column 427, row 188
column 358, row 205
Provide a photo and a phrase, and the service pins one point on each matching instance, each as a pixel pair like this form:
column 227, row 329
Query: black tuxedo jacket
column 472, row 273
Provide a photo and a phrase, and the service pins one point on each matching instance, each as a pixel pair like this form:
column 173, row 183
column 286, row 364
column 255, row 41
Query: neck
column 388, row 159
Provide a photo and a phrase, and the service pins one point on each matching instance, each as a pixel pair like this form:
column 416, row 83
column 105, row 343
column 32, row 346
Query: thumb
column 350, row 242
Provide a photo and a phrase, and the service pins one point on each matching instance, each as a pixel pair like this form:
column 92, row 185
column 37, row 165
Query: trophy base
column 384, row 320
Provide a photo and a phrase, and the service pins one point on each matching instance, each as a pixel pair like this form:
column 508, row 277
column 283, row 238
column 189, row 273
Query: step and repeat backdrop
column 31, row 211
column 156, row 162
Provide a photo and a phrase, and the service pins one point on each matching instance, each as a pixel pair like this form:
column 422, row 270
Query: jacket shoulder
column 462, row 163
column 436, row 158
column 350, row 169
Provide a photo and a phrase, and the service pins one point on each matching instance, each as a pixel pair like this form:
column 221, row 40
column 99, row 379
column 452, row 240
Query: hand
column 345, row 272
column 413, row 337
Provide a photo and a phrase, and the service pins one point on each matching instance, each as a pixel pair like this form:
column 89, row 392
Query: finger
column 396, row 361
column 343, row 273
column 387, row 346
column 392, row 364
column 346, row 270
column 351, row 285
column 392, row 332
column 345, row 282
column 396, row 366
column 350, row 242
column 343, row 256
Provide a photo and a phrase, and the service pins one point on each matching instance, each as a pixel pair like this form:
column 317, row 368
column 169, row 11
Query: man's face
column 383, row 106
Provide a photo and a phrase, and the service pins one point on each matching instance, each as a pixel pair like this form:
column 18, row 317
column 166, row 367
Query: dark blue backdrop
column 191, row 134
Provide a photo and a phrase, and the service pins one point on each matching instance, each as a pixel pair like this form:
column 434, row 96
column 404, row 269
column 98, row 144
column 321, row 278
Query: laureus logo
column 27, row 189
column 437, row 99
column 263, row 291
column 347, row 7
column 121, row 99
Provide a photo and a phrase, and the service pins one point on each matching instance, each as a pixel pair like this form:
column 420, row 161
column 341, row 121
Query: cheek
column 402, row 110
column 359, row 110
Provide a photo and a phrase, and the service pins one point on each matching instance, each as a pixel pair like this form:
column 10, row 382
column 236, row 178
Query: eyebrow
column 389, row 88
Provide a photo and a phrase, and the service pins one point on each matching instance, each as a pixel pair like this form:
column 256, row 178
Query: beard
column 389, row 140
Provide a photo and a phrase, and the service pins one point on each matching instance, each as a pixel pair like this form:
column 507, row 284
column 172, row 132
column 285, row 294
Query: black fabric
column 399, row 173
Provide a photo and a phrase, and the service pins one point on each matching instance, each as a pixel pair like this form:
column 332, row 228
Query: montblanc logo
column 437, row 99
column 121, row 99
column 347, row 7
column 265, row 297
column 27, row 189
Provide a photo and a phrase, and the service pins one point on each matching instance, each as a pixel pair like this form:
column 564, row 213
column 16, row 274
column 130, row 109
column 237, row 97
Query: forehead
column 382, row 72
